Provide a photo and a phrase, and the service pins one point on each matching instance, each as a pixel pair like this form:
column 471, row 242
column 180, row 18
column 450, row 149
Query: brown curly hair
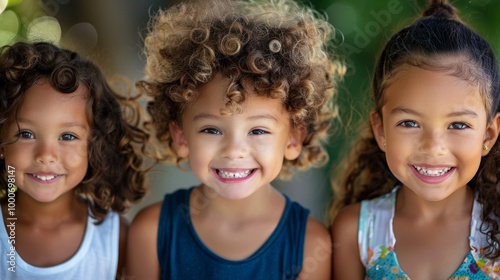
column 115, row 176
column 439, row 33
column 283, row 48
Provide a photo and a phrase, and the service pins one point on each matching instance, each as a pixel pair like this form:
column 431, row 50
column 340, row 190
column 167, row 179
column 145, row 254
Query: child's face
column 235, row 154
column 433, row 131
column 50, row 155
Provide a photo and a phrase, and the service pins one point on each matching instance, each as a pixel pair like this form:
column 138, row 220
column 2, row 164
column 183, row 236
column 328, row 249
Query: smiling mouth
column 435, row 172
column 45, row 177
column 234, row 175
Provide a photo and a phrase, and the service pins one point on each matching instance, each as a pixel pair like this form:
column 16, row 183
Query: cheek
column 397, row 153
column 270, row 153
column 262, row 147
column 200, row 153
column 15, row 155
column 469, row 151
column 75, row 157
column 466, row 144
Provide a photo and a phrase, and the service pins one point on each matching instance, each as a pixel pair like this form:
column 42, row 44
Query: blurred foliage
column 36, row 20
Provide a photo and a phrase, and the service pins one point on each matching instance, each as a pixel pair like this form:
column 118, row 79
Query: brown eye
column 211, row 130
column 67, row 137
column 26, row 134
column 458, row 125
column 408, row 123
column 258, row 132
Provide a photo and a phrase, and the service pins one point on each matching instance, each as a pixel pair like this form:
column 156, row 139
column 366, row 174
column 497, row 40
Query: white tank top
column 96, row 258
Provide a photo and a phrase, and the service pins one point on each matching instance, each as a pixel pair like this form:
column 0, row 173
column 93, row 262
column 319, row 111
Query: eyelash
column 463, row 125
column 23, row 133
column 451, row 126
column 211, row 130
column 258, row 131
column 405, row 123
column 215, row 131
column 73, row 137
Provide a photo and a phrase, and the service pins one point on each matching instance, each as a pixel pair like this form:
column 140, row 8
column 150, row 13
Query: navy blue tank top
column 183, row 255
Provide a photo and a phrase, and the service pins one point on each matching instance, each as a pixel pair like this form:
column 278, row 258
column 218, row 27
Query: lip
column 432, row 179
column 233, row 170
column 36, row 177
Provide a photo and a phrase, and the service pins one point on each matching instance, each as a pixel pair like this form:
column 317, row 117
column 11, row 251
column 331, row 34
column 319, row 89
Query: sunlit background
column 109, row 32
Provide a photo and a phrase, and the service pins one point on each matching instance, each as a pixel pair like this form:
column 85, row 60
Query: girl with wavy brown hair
column 243, row 92
column 420, row 197
column 70, row 161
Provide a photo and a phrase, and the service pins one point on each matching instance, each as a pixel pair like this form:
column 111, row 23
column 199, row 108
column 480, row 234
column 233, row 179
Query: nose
column 432, row 143
column 45, row 152
column 235, row 147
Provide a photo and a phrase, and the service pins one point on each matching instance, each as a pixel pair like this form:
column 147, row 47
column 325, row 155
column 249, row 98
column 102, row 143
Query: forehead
column 458, row 65
column 213, row 98
column 432, row 91
column 41, row 102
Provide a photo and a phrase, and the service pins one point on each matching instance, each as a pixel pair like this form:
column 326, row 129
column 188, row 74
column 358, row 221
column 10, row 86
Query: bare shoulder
column 346, row 221
column 144, row 227
column 147, row 216
column 317, row 252
column 346, row 260
column 142, row 259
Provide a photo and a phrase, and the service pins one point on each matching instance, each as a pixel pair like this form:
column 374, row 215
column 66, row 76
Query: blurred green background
column 110, row 32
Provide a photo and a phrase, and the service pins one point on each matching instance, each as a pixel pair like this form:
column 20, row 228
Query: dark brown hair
column 283, row 48
column 115, row 177
column 438, row 33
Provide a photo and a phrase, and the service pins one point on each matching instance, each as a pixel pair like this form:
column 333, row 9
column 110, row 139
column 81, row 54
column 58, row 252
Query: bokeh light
column 3, row 5
column 81, row 37
column 9, row 26
column 11, row 3
column 44, row 29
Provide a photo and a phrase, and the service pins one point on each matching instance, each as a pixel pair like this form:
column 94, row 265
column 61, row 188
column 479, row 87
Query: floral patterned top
column 376, row 242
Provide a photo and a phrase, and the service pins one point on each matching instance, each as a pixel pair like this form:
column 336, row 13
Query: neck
column 68, row 206
column 458, row 204
column 205, row 201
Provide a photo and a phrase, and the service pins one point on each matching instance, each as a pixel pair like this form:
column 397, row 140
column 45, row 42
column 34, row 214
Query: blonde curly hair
column 283, row 48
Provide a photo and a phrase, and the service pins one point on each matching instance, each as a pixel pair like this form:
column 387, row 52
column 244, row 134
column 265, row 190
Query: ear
column 294, row 144
column 179, row 140
column 491, row 135
column 378, row 129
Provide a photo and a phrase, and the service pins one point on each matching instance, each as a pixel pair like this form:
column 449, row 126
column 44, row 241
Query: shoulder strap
column 375, row 231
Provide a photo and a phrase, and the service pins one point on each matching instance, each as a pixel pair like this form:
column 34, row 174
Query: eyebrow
column 263, row 116
column 204, row 116
column 255, row 117
column 66, row 124
column 464, row 112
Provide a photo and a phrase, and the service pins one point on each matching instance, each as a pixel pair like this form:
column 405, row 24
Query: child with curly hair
column 70, row 163
column 242, row 91
column 420, row 196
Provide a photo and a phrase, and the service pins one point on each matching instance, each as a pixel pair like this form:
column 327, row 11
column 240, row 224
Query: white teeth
column 432, row 172
column 45, row 178
column 227, row 175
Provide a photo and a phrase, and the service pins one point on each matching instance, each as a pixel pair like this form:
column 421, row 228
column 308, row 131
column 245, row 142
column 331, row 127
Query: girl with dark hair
column 420, row 195
column 70, row 161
